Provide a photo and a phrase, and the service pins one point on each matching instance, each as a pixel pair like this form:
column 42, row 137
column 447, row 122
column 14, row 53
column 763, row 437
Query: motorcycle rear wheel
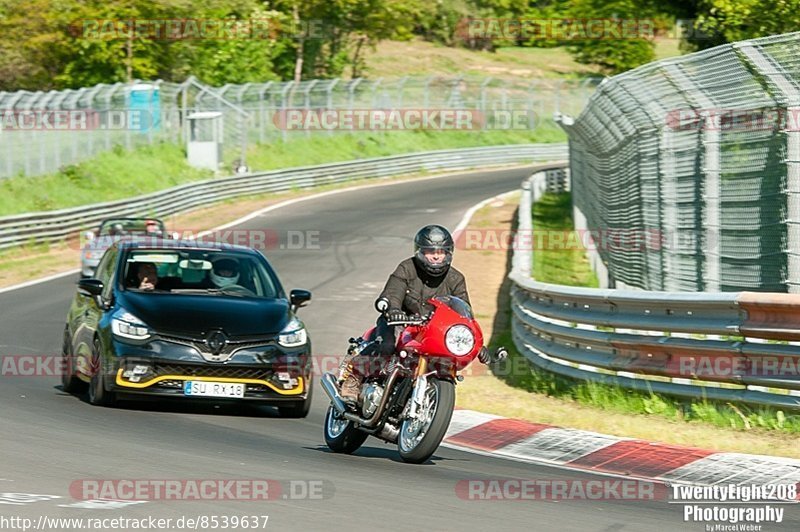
column 419, row 439
column 341, row 435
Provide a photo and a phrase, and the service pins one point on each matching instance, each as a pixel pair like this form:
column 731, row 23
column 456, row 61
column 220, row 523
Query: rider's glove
column 396, row 315
column 486, row 357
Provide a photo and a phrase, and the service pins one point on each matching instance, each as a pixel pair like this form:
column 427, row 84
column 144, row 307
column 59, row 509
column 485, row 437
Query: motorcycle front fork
column 415, row 405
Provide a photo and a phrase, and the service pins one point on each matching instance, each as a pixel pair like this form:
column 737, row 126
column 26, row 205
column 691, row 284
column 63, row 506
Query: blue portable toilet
column 144, row 107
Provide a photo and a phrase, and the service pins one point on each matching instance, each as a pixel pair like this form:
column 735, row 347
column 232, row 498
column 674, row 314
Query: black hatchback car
column 186, row 319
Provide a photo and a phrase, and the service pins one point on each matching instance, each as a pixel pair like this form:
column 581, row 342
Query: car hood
column 195, row 315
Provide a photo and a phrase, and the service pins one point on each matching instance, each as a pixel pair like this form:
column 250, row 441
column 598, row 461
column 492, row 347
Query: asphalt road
column 51, row 440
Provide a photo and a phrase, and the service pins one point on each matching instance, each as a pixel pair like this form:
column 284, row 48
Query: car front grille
column 234, row 344
column 224, row 372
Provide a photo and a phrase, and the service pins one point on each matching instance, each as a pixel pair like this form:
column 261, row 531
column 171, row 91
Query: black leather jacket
column 409, row 287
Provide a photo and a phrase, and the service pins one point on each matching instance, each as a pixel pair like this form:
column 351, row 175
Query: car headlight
column 126, row 325
column 294, row 334
column 459, row 340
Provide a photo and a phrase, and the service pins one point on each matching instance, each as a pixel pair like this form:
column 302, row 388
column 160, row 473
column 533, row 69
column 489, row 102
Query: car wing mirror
column 90, row 287
column 94, row 288
column 299, row 298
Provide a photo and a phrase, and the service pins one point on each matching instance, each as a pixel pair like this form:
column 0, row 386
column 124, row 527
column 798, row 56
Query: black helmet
column 429, row 238
column 225, row 272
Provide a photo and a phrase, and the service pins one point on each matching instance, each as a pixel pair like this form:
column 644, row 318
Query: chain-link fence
column 686, row 170
column 41, row 132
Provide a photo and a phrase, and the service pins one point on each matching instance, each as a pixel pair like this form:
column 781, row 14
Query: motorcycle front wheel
column 419, row 438
column 341, row 435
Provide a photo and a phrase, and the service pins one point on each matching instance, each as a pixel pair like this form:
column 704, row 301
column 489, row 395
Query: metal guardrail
column 697, row 345
column 54, row 226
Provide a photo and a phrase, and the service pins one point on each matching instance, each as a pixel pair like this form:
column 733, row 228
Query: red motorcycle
column 409, row 398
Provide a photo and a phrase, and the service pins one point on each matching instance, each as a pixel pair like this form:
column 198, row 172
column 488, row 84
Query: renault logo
column 216, row 341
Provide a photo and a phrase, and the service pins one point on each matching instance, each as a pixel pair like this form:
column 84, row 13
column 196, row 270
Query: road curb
column 590, row 451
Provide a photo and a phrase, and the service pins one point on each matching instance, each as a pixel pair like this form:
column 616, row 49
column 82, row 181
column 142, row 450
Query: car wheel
column 70, row 383
column 299, row 409
column 98, row 395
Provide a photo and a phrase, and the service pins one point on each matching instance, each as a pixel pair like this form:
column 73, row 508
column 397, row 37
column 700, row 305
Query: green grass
column 115, row 174
column 323, row 148
column 562, row 259
column 119, row 174
column 553, row 212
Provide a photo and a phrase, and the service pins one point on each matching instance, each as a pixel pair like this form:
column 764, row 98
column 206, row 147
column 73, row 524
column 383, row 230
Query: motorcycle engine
column 371, row 395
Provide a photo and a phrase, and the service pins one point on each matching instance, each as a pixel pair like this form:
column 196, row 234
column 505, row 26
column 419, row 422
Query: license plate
column 213, row 389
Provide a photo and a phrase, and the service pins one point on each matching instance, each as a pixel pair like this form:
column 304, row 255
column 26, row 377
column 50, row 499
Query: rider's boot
column 350, row 383
column 350, row 388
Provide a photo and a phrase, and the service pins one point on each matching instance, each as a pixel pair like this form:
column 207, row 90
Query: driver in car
column 425, row 275
column 224, row 272
column 147, row 274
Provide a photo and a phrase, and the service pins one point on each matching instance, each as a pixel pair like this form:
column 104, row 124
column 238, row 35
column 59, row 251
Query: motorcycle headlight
column 459, row 340
column 294, row 334
column 126, row 325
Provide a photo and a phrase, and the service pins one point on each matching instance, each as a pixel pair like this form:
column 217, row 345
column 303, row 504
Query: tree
column 616, row 54
column 724, row 21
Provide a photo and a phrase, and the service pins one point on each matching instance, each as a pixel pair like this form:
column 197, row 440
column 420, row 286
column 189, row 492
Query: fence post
column 789, row 93
column 712, row 272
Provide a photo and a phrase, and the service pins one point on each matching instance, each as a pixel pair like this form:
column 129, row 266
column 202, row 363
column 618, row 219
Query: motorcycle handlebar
column 412, row 320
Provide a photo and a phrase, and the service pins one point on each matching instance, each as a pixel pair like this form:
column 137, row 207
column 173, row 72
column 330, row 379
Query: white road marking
column 19, row 499
column 101, row 504
column 39, row 281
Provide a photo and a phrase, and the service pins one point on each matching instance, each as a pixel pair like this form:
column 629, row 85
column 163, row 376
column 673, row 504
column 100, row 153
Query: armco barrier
column 657, row 341
column 56, row 225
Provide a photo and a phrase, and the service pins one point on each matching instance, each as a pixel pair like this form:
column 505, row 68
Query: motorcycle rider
column 428, row 273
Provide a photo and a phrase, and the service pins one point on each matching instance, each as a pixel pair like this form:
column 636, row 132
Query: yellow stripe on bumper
column 297, row 390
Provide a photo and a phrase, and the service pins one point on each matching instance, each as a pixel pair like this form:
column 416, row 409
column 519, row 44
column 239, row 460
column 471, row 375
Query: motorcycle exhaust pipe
column 376, row 416
column 329, row 385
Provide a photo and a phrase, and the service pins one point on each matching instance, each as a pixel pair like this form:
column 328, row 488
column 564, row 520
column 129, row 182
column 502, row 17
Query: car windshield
column 459, row 305
column 131, row 226
column 204, row 272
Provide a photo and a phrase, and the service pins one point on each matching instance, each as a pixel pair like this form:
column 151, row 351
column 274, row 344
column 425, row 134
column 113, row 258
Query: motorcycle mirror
column 500, row 354
column 381, row 304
